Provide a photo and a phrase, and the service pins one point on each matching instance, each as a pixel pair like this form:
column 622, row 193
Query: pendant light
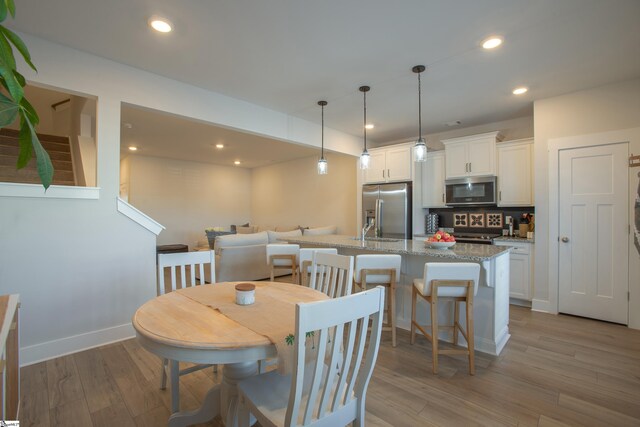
column 420, row 148
column 364, row 157
column 322, row 163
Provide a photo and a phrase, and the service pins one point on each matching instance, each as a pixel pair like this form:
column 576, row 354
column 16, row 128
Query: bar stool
column 452, row 281
column 283, row 256
column 306, row 259
column 380, row 270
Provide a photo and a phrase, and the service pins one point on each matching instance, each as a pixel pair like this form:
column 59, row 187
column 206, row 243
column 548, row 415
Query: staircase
column 57, row 147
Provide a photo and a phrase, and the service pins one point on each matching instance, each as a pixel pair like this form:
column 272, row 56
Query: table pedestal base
column 221, row 399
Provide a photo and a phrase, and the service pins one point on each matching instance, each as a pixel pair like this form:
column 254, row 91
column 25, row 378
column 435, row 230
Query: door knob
column 565, row 239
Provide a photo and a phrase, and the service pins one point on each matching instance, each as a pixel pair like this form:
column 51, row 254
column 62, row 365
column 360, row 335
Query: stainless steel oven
column 471, row 191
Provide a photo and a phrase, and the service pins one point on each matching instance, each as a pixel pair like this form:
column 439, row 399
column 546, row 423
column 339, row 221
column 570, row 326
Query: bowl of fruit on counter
column 440, row 240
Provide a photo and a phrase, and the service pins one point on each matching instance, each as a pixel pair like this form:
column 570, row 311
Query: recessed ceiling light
column 133, row 148
column 492, row 42
column 219, row 145
column 237, row 162
column 520, row 90
column 159, row 24
column 369, row 126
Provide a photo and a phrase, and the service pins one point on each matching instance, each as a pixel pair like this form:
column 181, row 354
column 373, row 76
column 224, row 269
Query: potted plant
column 13, row 104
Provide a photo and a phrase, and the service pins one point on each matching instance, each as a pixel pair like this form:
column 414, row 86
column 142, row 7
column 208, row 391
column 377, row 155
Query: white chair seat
column 272, row 391
column 443, row 291
column 283, row 256
column 364, row 262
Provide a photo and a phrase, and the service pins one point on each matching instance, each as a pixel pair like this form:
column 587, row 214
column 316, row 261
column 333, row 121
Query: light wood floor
column 555, row 370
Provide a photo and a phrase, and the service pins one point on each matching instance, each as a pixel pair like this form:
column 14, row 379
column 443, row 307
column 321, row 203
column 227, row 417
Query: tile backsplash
column 480, row 219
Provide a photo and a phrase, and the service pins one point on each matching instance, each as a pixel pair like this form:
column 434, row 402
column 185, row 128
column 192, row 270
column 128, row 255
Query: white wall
column 292, row 193
column 187, row 197
column 81, row 267
column 606, row 108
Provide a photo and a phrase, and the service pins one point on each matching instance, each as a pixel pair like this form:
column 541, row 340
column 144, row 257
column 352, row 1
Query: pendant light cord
column 419, row 106
column 365, row 120
column 322, row 149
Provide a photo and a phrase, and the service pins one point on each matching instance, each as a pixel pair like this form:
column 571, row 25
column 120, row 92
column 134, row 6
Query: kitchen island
column 491, row 304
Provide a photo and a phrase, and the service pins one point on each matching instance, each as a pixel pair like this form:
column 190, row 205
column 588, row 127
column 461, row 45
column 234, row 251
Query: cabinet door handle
column 383, row 173
column 500, row 195
column 469, row 166
column 442, row 197
column 388, row 173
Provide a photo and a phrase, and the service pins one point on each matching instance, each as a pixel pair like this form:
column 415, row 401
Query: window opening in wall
column 66, row 131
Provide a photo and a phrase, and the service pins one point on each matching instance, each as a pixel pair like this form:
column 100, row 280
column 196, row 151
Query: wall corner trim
column 137, row 216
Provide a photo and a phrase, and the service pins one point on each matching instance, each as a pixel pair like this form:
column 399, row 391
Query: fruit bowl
column 439, row 245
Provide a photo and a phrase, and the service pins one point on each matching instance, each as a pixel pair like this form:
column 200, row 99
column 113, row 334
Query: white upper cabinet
column 389, row 164
column 515, row 173
column 473, row 155
column 433, row 175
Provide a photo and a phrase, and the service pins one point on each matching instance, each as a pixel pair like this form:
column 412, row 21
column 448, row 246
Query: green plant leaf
column 19, row 44
column 12, row 8
column 10, row 82
column 24, row 140
column 3, row 11
column 6, row 51
column 43, row 161
column 8, row 111
column 31, row 113
column 20, row 78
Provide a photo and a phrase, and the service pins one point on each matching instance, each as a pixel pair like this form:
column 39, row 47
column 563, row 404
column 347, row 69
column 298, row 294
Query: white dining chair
column 380, row 269
column 316, row 393
column 332, row 274
column 305, row 261
column 283, row 256
column 186, row 269
column 449, row 281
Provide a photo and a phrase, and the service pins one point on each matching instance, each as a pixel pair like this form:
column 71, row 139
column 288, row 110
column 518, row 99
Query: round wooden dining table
column 179, row 328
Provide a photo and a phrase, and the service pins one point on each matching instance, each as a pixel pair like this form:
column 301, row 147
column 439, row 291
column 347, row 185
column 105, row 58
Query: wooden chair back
column 194, row 275
column 306, row 259
column 332, row 274
column 335, row 392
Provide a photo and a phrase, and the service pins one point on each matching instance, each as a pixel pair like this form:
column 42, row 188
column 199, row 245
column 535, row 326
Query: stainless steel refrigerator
column 388, row 207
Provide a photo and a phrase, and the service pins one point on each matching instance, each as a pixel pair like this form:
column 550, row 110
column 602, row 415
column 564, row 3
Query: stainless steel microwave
column 476, row 190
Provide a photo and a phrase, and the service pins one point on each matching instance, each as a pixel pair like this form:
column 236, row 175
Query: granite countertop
column 514, row 239
column 461, row 251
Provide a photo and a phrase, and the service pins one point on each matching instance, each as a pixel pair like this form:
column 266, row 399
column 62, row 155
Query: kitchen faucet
column 367, row 227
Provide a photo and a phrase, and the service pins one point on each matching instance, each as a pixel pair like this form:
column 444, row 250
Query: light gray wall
column 187, row 197
column 292, row 194
column 605, row 108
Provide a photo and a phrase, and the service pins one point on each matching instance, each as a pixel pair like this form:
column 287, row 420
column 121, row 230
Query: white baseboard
column 73, row 344
column 541, row 305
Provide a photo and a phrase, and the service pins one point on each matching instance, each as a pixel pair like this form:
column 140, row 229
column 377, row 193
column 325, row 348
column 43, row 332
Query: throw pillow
column 246, row 229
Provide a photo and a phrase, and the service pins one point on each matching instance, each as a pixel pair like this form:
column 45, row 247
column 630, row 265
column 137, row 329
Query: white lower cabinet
column 520, row 269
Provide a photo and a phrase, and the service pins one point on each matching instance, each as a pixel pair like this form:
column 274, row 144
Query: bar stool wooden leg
column 456, row 320
column 470, row 332
column 392, row 311
column 414, row 296
column 434, row 331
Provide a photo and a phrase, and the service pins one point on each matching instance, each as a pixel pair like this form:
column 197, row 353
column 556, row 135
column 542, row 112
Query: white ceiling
column 288, row 54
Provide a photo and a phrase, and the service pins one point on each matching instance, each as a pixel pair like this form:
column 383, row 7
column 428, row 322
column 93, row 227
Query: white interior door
column 593, row 231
